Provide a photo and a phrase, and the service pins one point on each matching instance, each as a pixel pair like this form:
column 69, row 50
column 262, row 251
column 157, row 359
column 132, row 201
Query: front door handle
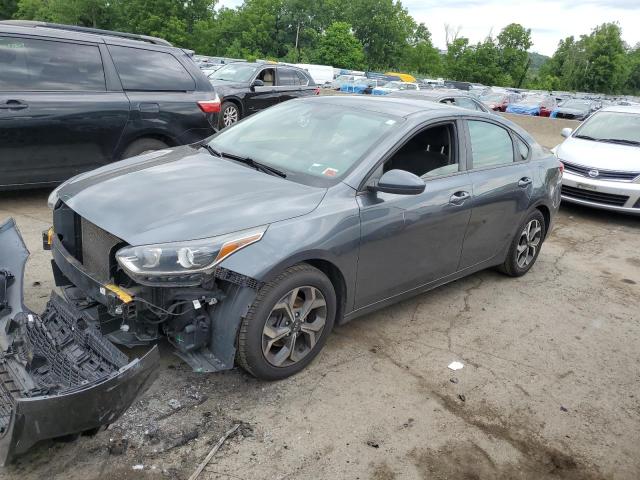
column 13, row 105
column 459, row 198
column 524, row 182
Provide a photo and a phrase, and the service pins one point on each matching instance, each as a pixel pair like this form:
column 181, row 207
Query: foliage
column 8, row 8
column 340, row 48
column 359, row 34
column 598, row 62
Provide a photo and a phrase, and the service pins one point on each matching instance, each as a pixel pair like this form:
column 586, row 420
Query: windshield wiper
column 211, row 150
column 586, row 137
column 255, row 164
column 620, row 140
column 246, row 160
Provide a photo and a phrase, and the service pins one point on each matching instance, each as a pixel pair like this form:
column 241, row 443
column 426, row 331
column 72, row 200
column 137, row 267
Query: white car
column 602, row 160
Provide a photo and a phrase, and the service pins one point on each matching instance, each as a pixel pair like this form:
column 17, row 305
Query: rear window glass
column 28, row 64
column 287, row 77
column 149, row 70
column 303, row 78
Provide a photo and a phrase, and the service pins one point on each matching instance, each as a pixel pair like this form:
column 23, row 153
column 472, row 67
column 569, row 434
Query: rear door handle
column 524, row 181
column 13, row 105
column 459, row 198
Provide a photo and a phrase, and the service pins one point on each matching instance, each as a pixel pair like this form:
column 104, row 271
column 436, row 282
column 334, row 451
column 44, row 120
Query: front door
column 57, row 118
column 502, row 182
column 412, row 240
column 259, row 98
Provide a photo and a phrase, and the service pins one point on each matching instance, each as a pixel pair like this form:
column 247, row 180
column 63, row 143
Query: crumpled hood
column 602, row 155
column 184, row 194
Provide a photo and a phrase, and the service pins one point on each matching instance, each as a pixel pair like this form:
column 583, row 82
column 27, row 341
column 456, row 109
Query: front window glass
column 615, row 127
column 313, row 142
column 490, row 144
column 235, row 72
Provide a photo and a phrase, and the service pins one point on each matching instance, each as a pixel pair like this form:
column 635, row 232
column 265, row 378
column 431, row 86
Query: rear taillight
column 210, row 106
column 316, row 91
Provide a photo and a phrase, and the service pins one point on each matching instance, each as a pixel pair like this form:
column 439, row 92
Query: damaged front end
column 58, row 374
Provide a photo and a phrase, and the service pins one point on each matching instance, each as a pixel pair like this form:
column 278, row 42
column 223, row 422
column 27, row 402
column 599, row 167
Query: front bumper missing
column 58, row 374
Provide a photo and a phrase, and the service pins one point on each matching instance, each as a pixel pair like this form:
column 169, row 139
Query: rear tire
column 288, row 323
column 229, row 114
column 525, row 246
column 143, row 145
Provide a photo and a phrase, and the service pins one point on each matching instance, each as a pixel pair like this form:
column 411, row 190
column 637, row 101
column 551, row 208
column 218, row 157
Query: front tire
column 525, row 246
column 288, row 323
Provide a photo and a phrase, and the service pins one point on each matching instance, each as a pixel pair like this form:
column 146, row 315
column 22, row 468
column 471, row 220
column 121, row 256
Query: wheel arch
column 237, row 102
column 163, row 137
column 546, row 214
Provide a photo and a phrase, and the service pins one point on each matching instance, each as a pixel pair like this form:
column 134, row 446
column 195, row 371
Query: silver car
column 602, row 160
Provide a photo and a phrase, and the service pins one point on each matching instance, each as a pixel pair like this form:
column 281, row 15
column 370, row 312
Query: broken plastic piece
column 456, row 365
column 58, row 374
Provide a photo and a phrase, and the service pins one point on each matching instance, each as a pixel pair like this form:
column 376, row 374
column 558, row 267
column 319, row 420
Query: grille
column 602, row 174
column 97, row 250
column 596, row 197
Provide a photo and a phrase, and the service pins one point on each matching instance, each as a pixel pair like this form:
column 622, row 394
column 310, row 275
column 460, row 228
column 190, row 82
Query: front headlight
column 185, row 258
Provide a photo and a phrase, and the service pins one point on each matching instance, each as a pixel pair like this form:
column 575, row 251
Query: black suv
column 73, row 99
column 247, row 88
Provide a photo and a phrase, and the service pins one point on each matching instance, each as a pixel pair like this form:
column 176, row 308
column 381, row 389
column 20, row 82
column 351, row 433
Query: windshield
column 312, row 142
column 611, row 126
column 235, row 72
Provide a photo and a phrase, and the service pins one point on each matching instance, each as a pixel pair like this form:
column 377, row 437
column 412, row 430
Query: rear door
column 502, row 182
column 287, row 83
column 59, row 113
column 163, row 94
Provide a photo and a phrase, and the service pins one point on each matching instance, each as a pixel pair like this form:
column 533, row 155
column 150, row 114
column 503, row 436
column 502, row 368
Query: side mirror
column 566, row 132
column 257, row 83
column 400, row 182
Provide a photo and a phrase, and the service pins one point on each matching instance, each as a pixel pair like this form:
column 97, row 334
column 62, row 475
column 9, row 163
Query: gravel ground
column 550, row 386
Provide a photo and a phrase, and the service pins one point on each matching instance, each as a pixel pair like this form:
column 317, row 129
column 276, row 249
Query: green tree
column 420, row 55
column 514, row 42
column 383, row 27
column 340, row 48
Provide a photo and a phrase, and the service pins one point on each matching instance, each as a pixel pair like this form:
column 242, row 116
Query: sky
column 549, row 21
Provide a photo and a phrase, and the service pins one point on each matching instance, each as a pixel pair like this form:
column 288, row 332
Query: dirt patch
column 469, row 461
column 382, row 471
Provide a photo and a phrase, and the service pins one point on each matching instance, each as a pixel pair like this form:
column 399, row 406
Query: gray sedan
column 253, row 245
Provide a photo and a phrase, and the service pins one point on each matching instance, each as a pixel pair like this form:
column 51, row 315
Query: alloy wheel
column 294, row 326
column 529, row 243
column 229, row 116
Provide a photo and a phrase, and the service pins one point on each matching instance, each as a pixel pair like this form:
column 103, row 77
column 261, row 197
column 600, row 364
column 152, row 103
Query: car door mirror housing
column 566, row 132
column 400, row 182
column 257, row 83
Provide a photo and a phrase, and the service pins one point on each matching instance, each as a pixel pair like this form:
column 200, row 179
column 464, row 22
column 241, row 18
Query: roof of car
column 622, row 109
column 72, row 32
column 398, row 106
column 433, row 95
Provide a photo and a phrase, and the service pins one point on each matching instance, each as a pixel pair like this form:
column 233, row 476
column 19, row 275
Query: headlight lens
column 185, row 258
